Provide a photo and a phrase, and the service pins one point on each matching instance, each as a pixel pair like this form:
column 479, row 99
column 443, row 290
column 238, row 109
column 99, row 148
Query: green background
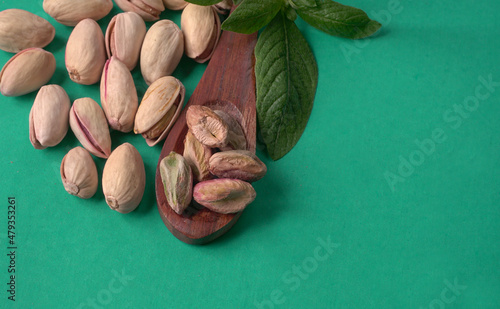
column 398, row 244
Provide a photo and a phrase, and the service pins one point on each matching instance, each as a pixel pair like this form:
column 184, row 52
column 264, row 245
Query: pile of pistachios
column 92, row 57
column 215, row 169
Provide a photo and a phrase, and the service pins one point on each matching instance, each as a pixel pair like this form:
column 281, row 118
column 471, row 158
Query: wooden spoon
column 227, row 84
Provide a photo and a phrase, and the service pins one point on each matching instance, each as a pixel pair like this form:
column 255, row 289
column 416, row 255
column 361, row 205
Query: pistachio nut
column 223, row 7
column 235, row 136
column 88, row 123
column 175, row 5
column 27, row 71
column 48, row 120
column 159, row 109
column 161, row 51
column 71, row 12
column 124, row 37
column 197, row 156
column 79, row 173
column 224, row 195
column 20, row 29
column 201, row 28
column 118, row 95
column 239, row 164
column 149, row 10
column 85, row 53
column 177, row 180
column 124, row 179
column 207, row 126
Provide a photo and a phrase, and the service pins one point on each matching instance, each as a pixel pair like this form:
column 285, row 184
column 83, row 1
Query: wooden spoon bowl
column 228, row 84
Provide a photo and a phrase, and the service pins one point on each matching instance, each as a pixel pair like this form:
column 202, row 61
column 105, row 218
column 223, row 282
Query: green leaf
column 338, row 19
column 236, row 2
column 252, row 15
column 286, row 78
column 302, row 3
column 204, row 2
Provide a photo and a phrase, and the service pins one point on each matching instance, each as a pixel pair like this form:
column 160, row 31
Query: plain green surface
column 393, row 247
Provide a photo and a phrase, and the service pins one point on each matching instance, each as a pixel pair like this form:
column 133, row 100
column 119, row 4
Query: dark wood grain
column 227, row 84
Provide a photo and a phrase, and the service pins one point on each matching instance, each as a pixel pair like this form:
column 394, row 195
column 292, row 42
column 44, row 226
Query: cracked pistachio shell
column 177, row 180
column 149, row 10
column 197, row 156
column 175, row 5
column 236, row 139
column 85, row 53
column 239, row 164
column 159, row 109
column 161, row 51
column 118, row 95
column 20, row 29
column 27, row 71
column 71, row 12
column 224, row 7
column 79, row 173
column 201, row 28
column 124, row 37
column 88, row 123
column 224, row 195
column 124, row 179
column 210, row 129
column 49, row 116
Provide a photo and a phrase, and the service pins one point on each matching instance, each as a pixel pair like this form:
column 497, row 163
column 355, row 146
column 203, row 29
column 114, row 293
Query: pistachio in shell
column 161, row 51
column 88, row 123
column 20, row 29
column 159, row 109
column 85, row 53
column 27, row 71
column 149, row 10
column 79, row 173
column 71, row 12
column 49, row 117
column 175, row 5
column 124, row 179
column 124, row 37
column 201, row 27
column 118, row 95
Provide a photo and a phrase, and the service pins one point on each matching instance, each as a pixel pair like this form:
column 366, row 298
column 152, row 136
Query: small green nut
column 224, row 195
column 177, row 180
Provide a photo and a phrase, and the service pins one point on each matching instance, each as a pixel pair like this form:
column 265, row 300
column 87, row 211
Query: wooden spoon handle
column 228, row 84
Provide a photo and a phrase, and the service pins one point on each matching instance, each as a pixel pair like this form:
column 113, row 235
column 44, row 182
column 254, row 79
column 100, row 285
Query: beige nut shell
column 71, row 12
column 124, row 179
column 157, row 101
column 49, row 117
column 161, row 51
column 201, row 27
column 118, row 95
column 85, row 53
column 20, row 29
column 124, row 37
column 27, row 71
column 149, row 10
column 79, row 173
column 88, row 123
